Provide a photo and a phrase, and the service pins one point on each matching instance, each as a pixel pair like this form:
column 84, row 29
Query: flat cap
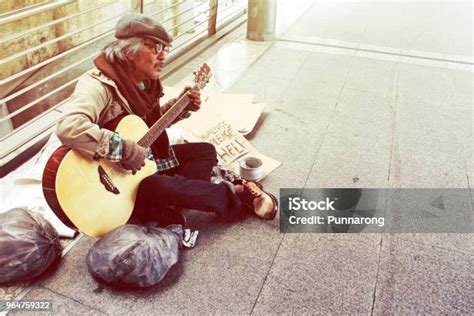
column 140, row 25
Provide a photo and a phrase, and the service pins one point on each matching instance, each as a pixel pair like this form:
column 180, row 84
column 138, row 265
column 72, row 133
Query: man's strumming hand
column 133, row 156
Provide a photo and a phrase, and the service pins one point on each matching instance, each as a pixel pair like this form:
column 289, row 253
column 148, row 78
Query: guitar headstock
column 202, row 76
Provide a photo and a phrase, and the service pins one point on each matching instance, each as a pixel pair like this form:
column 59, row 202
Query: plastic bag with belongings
column 134, row 255
column 28, row 245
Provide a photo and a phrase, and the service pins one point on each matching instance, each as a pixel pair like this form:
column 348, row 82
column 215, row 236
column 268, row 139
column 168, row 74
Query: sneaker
column 260, row 202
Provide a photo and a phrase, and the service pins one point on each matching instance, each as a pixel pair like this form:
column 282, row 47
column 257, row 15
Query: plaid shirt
column 115, row 154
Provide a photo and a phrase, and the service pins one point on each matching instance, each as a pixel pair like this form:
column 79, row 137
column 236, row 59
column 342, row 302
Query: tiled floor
column 358, row 94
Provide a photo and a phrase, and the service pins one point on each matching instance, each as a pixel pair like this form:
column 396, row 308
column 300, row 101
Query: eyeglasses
column 159, row 47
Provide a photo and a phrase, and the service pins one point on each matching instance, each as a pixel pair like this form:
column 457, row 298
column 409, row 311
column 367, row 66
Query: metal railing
column 14, row 114
column 54, row 22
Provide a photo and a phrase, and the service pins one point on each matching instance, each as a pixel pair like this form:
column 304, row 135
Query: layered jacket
column 95, row 101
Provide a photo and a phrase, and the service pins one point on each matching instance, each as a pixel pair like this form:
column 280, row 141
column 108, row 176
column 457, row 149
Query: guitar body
column 95, row 196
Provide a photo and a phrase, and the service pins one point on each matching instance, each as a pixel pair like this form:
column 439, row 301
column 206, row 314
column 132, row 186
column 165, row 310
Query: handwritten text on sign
column 229, row 144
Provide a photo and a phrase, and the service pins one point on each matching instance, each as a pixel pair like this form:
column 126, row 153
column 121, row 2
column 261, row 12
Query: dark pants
column 186, row 186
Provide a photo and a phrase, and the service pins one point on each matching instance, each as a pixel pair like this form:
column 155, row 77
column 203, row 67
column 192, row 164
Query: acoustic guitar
column 98, row 196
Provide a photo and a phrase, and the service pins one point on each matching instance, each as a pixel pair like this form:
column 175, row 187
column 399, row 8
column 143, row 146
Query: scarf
column 144, row 103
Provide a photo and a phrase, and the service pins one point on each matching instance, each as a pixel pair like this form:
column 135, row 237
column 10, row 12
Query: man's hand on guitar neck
column 133, row 156
column 194, row 99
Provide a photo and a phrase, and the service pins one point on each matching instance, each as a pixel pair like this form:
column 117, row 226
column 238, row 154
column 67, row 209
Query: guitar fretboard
column 164, row 121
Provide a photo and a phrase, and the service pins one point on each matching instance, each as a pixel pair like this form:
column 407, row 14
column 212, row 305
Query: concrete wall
column 8, row 6
column 44, row 35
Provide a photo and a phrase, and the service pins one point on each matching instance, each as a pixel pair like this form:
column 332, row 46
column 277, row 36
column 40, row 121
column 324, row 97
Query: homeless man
column 126, row 80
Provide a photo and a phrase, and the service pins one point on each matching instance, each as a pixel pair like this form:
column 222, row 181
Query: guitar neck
column 165, row 121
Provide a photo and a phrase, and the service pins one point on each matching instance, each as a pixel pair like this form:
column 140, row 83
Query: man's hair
column 115, row 52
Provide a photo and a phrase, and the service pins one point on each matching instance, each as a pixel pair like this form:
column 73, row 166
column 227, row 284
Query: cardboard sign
column 237, row 109
column 230, row 145
column 222, row 121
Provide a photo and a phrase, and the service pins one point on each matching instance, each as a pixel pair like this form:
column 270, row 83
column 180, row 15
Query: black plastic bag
column 28, row 245
column 135, row 256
